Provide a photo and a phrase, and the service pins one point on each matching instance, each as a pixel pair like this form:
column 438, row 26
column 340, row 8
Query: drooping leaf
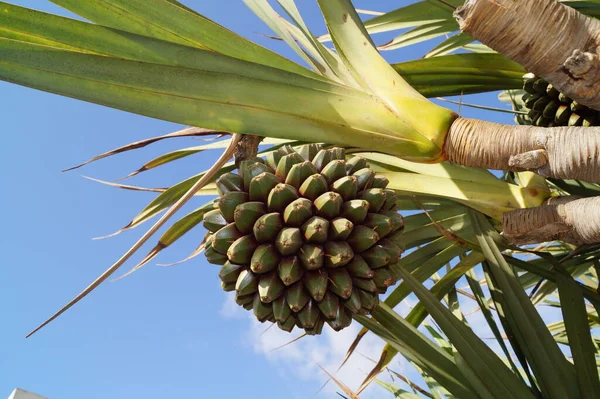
column 187, row 132
column 185, row 152
column 513, row 334
column 174, row 233
column 227, row 154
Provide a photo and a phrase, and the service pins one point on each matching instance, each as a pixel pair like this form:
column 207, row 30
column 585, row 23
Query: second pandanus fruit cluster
column 548, row 107
column 304, row 237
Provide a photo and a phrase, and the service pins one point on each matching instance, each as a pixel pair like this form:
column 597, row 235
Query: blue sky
column 163, row 332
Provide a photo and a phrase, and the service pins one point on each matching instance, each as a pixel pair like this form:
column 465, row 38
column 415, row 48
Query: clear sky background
column 162, row 332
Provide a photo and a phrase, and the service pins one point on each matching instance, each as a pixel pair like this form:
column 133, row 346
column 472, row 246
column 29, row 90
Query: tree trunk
column 559, row 152
column 573, row 220
column 551, row 40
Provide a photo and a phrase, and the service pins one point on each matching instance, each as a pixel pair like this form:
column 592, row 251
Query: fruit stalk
column 246, row 148
column 559, row 152
column 566, row 54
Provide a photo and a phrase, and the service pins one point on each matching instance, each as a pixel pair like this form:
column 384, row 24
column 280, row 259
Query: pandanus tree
column 308, row 231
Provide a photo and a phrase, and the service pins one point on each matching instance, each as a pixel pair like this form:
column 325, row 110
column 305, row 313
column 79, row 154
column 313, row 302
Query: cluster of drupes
column 548, row 107
column 305, row 237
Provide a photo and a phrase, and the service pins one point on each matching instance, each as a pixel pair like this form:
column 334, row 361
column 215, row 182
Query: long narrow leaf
column 174, row 233
column 428, row 230
column 541, row 271
column 227, row 154
column 549, row 287
column 554, row 373
column 268, row 15
column 444, row 285
column 578, row 332
column 419, row 13
column 420, row 34
column 417, row 348
column 215, row 100
column 452, row 75
column 514, row 336
column 331, row 58
column 489, row 369
column 171, row 195
column 422, row 254
column 443, row 169
column 169, row 20
column 489, row 318
column 423, row 272
column 418, row 314
column 450, row 45
column 187, row 132
column 185, row 152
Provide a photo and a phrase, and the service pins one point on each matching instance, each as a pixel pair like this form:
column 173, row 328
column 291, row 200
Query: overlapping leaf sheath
column 302, row 237
column 549, row 107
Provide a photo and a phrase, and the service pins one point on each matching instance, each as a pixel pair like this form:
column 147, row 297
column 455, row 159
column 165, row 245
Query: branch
column 559, row 152
column 574, row 220
column 548, row 38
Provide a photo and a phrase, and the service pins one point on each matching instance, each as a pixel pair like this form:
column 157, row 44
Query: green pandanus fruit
column 547, row 106
column 302, row 237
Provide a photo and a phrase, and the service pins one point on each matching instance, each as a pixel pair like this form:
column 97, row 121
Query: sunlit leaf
column 169, row 20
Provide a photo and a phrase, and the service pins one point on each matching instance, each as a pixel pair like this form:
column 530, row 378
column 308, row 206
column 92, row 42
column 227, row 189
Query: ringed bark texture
column 548, row 38
column 559, row 152
column 576, row 221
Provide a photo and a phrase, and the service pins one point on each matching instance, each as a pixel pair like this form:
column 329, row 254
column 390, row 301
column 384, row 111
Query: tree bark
column 559, row 152
column 548, row 38
column 573, row 220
